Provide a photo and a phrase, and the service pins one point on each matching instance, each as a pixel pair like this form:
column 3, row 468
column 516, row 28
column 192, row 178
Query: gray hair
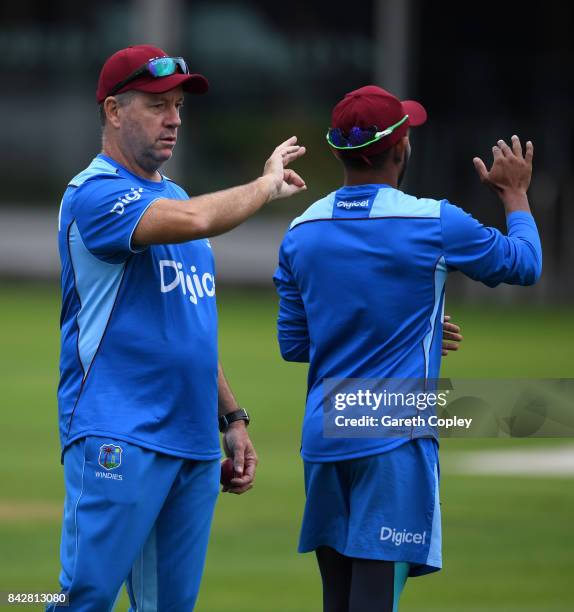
column 123, row 99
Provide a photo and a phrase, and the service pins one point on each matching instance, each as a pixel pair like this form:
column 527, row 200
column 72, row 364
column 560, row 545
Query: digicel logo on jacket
column 194, row 285
column 351, row 204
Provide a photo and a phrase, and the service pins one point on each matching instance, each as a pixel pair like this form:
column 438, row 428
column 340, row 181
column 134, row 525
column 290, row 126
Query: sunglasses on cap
column 157, row 67
column 358, row 137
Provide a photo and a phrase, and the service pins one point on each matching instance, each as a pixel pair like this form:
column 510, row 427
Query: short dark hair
column 122, row 99
column 358, row 163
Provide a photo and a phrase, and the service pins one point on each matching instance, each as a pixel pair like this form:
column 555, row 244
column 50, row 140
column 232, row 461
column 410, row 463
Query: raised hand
column 287, row 181
column 510, row 170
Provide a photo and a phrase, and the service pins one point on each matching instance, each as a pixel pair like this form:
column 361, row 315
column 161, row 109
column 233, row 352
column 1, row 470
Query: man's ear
column 400, row 149
column 111, row 108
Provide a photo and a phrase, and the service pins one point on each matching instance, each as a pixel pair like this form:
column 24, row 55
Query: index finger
column 289, row 142
column 240, row 481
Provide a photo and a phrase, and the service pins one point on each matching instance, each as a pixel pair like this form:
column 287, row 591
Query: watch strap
column 225, row 420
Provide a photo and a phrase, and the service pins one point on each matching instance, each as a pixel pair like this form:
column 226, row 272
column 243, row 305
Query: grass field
column 508, row 541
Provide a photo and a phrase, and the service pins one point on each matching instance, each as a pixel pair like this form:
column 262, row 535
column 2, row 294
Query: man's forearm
column 515, row 202
column 174, row 221
column 224, row 210
column 226, row 400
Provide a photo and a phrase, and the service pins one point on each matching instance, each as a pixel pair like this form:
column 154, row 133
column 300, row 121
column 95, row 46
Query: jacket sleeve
column 107, row 213
column 486, row 254
column 292, row 330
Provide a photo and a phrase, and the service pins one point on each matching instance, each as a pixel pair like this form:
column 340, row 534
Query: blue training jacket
column 361, row 281
column 138, row 357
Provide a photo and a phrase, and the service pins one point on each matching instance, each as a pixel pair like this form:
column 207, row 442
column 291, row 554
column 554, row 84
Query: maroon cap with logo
column 126, row 61
column 372, row 105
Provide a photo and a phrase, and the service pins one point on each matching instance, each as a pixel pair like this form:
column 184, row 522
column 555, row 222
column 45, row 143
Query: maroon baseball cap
column 372, row 105
column 121, row 64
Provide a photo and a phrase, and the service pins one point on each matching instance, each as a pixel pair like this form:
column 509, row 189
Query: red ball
column 227, row 472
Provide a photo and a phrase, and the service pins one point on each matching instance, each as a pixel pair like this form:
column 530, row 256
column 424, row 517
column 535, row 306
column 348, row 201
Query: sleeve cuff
column 519, row 215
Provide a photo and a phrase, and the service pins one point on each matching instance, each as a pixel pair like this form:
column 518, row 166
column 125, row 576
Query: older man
column 141, row 386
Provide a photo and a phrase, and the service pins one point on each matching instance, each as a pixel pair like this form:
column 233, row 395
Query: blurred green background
column 508, row 541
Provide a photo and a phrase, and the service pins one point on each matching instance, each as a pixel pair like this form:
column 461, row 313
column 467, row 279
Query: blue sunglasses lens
column 354, row 138
column 166, row 66
column 337, row 138
column 358, row 136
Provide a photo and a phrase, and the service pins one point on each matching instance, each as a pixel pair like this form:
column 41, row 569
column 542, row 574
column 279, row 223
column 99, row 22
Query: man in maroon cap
column 361, row 281
column 141, row 391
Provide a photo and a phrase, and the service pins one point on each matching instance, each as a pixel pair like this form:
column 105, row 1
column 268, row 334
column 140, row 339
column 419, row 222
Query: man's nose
column 173, row 119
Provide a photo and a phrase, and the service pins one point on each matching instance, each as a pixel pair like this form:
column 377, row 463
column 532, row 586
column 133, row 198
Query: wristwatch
column 225, row 420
